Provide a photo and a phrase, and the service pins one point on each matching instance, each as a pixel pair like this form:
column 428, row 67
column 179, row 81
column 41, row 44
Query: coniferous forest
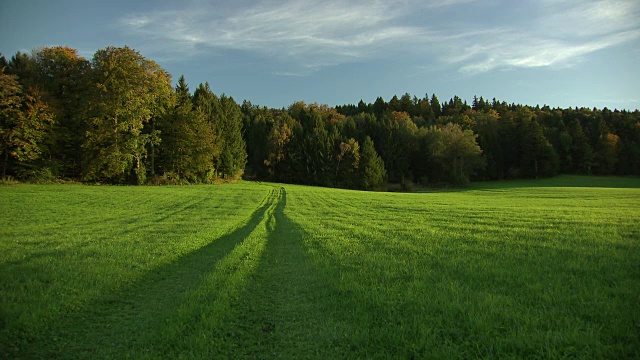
column 117, row 119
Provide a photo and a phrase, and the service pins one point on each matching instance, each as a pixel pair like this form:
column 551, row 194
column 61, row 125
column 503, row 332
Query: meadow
column 537, row 269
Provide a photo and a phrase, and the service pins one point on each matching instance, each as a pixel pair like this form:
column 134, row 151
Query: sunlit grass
column 542, row 269
column 501, row 270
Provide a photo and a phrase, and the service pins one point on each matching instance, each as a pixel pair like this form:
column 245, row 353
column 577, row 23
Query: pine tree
column 233, row 155
column 435, row 106
column 394, row 104
column 372, row 171
column 538, row 156
column 581, row 151
column 257, row 122
column 379, row 107
column 182, row 91
column 188, row 145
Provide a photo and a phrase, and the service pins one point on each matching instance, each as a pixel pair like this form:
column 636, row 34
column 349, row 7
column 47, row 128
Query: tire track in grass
column 289, row 309
column 200, row 327
column 159, row 314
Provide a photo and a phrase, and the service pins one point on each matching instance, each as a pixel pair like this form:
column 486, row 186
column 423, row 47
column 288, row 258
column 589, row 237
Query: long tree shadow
column 560, row 181
column 290, row 309
column 305, row 303
column 118, row 320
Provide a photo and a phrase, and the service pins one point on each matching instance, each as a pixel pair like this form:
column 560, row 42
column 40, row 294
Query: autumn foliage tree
column 118, row 119
column 127, row 90
column 25, row 121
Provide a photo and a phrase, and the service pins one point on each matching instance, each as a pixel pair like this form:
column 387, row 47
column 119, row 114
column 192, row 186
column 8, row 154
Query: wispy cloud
column 511, row 50
column 136, row 22
column 289, row 73
column 308, row 35
column 313, row 33
column 564, row 33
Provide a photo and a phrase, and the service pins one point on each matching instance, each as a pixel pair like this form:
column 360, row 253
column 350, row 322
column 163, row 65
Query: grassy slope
column 544, row 269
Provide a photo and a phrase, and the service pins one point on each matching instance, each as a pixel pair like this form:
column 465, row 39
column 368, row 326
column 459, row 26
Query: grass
column 538, row 269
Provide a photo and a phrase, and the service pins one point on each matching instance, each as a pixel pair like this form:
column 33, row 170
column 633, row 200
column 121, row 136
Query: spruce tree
column 435, row 106
column 538, row 156
column 581, row 151
column 233, row 156
column 372, row 171
column 188, row 144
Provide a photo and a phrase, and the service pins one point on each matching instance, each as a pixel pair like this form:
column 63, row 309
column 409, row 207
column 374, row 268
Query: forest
column 117, row 119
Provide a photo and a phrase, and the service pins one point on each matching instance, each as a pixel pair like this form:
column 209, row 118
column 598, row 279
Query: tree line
column 117, row 119
column 421, row 141
column 113, row 119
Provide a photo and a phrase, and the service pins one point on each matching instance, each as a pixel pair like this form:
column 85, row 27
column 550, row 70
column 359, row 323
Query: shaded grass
column 290, row 309
column 69, row 253
column 563, row 181
column 147, row 319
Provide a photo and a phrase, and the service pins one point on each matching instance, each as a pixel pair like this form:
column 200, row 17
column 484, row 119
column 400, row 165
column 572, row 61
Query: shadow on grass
column 294, row 307
column 112, row 326
column 561, row 181
column 466, row 301
column 569, row 181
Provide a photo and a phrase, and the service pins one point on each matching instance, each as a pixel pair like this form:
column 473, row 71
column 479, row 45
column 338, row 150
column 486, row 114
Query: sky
column 562, row 53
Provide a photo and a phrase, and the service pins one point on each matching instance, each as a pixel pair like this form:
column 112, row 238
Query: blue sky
column 556, row 52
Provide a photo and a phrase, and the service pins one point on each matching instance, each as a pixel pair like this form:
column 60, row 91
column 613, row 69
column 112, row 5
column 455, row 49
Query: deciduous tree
column 61, row 74
column 126, row 91
column 24, row 122
column 458, row 151
column 277, row 141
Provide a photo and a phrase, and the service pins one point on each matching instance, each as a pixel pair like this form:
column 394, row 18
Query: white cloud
column 445, row 3
column 564, row 33
column 589, row 18
column 312, row 35
column 515, row 51
column 289, row 73
column 135, row 21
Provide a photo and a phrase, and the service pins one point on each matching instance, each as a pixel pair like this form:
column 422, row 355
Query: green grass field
column 519, row 269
